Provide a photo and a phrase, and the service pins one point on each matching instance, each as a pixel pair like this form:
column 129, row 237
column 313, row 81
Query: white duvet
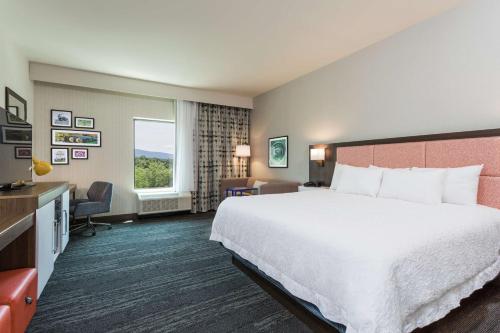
column 372, row 264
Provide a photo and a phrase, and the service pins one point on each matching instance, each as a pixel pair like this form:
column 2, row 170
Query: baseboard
column 165, row 214
column 118, row 218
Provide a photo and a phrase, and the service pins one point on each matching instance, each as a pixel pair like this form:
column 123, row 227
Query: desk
column 17, row 241
column 72, row 191
column 18, row 223
column 14, row 226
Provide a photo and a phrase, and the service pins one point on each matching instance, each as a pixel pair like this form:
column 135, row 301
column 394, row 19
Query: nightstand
column 303, row 188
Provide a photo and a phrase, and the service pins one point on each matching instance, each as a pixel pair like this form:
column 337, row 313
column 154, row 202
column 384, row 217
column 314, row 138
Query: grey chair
column 99, row 199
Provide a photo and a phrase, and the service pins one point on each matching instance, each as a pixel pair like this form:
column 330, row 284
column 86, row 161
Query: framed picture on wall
column 15, row 103
column 59, row 156
column 80, row 153
column 84, row 122
column 22, row 152
column 62, row 137
column 15, row 114
column 13, row 110
column 278, row 152
column 13, row 119
column 14, row 134
column 61, row 118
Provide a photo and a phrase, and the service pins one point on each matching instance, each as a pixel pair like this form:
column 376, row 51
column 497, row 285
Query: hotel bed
column 371, row 264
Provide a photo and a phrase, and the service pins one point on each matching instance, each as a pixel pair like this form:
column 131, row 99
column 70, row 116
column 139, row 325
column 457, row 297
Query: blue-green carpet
column 155, row 276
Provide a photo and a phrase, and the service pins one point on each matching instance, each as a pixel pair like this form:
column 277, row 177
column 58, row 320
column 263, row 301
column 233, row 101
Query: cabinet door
column 45, row 244
column 65, row 220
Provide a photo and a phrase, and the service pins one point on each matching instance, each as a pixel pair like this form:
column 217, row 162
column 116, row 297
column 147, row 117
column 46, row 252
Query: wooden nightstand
column 303, row 188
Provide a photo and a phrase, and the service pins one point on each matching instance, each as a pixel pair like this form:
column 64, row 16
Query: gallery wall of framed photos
column 113, row 115
column 70, row 136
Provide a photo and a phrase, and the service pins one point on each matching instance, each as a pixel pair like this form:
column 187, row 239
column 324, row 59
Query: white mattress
column 372, row 264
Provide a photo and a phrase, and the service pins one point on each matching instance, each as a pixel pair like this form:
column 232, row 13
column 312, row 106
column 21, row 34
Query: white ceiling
column 244, row 47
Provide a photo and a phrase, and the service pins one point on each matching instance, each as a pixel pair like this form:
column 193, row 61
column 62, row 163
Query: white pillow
column 257, row 184
column 384, row 168
column 460, row 184
column 356, row 180
column 423, row 187
column 337, row 173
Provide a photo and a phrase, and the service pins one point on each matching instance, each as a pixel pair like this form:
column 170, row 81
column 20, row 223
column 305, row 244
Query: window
column 154, row 153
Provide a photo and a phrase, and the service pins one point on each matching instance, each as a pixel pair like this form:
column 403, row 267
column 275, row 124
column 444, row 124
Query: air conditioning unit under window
column 155, row 202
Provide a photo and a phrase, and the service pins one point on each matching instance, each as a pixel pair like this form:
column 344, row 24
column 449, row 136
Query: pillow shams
column 422, row 187
column 460, row 184
column 337, row 173
column 356, row 180
column 384, row 168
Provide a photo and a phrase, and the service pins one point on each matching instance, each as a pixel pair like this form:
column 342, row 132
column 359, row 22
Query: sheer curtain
column 186, row 142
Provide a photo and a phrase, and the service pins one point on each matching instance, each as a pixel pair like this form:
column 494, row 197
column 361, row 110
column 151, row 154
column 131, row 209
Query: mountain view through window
column 154, row 153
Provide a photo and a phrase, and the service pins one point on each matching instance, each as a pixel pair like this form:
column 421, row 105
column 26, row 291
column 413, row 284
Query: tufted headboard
column 431, row 151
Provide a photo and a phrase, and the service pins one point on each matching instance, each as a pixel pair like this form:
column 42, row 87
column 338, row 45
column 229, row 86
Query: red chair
column 18, row 290
column 5, row 319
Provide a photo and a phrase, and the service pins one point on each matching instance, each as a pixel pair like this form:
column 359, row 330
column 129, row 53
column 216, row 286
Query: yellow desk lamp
column 41, row 168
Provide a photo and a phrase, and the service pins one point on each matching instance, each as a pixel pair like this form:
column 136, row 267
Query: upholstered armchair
column 272, row 186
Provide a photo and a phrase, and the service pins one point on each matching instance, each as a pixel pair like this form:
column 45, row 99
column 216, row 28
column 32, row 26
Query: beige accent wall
column 113, row 113
column 441, row 75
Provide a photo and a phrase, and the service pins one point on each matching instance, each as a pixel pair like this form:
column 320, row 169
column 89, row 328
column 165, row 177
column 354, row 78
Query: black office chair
column 99, row 201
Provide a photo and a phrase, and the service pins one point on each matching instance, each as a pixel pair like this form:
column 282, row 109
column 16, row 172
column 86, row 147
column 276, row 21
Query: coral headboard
column 432, row 151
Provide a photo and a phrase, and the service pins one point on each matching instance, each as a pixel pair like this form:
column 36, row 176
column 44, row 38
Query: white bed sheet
column 372, row 264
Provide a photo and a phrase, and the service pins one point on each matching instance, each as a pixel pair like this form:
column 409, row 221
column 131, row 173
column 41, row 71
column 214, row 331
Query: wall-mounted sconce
column 318, row 155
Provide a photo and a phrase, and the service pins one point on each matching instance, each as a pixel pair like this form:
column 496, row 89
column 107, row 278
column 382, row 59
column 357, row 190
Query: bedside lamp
column 318, row 155
column 242, row 151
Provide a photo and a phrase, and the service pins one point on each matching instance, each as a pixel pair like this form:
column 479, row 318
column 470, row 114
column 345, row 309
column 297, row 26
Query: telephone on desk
column 312, row 184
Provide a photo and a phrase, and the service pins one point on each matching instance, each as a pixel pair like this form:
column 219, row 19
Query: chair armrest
column 231, row 182
column 77, row 202
column 279, row 187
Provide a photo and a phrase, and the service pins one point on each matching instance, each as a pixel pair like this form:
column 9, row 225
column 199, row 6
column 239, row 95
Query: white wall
column 80, row 78
column 14, row 73
column 441, row 75
column 113, row 113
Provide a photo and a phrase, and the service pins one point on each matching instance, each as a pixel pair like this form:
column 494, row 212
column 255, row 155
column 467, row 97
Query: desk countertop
column 13, row 226
column 34, row 191
column 43, row 192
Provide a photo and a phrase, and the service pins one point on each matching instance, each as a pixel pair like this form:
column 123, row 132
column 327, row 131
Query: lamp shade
column 242, row 151
column 318, row 154
column 41, row 168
